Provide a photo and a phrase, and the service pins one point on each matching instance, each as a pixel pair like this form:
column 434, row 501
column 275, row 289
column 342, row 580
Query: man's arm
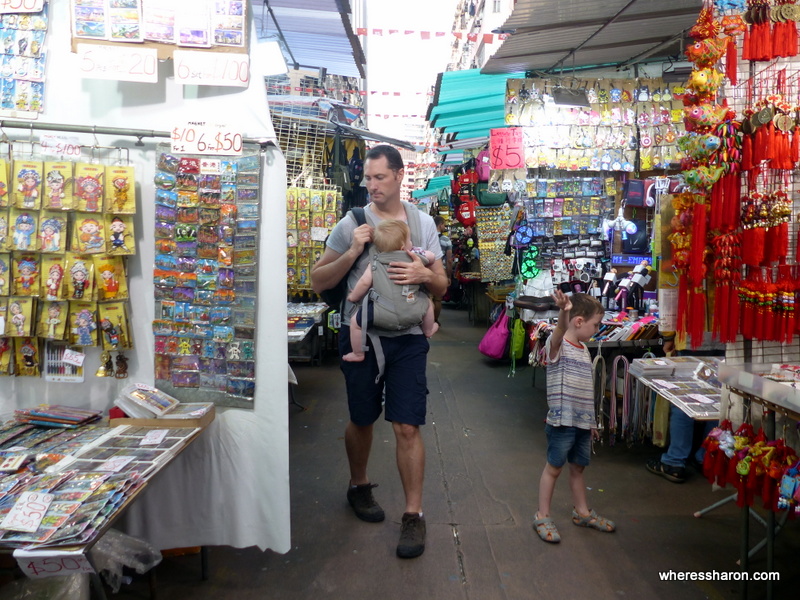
column 332, row 266
column 448, row 259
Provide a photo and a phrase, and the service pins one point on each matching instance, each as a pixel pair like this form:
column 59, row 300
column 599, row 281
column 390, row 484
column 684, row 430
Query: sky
column 404, row 63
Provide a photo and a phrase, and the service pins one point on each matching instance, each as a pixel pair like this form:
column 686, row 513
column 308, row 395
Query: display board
column 311, row 214
column 205, row 276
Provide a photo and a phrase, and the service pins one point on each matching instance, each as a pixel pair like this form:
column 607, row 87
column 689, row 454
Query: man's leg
column 358, row 443
column 411, row 464
column 681, row 432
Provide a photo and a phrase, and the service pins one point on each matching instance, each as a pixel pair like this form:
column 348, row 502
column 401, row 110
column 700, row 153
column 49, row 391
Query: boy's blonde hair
column 391, row 235
column 585, row 306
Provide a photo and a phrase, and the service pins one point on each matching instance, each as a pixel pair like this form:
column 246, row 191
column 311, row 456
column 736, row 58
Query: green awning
column 468, row 104
column 434, row 185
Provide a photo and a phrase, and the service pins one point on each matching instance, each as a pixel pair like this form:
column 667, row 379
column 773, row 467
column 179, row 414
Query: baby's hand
column 562, row 301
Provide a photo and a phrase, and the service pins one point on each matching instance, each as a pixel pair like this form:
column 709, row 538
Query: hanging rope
column 612, row 417
column 599, row 374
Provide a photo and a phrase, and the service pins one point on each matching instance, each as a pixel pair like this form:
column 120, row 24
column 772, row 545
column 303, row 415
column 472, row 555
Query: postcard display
column 205, row 276
column 310, row 216
column 66, row 229
column 23, row 62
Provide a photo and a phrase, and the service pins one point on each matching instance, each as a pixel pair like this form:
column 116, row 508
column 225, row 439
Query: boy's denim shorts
column 568, row 444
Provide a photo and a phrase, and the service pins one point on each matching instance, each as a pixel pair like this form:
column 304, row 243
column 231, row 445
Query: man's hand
column 362, row 235
column 403, row 273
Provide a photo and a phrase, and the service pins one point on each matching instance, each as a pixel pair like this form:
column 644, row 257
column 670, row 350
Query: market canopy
column 467, row 104
column 317, row 34
column 434, row 186
column 549, row 36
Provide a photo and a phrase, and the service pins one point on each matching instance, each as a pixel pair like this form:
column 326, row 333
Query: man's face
column 383, row 183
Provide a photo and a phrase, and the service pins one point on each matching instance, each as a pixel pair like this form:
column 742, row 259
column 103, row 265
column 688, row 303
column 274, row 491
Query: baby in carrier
column 390, row 306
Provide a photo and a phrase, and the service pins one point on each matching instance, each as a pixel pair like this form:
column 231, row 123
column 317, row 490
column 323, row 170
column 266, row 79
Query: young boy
column 393, row 242
column 571, row 424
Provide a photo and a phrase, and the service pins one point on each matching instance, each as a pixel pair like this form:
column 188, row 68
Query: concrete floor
column 485, row 451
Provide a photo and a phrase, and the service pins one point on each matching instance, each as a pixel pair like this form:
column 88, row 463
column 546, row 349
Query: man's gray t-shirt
column 342, row 235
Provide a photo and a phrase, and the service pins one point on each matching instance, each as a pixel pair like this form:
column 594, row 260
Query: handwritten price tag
column 506, row 150
column 115, row 464
column 211, row 68
column 201, row 138
column 127, row 63
column 73, row 357
column 154, row 437
column 38, row 564
column 60, row 145
column 27, row 512
column 20, row 6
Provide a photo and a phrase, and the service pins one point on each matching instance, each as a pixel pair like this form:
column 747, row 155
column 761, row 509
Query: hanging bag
column 495, row 340
column 518, row 339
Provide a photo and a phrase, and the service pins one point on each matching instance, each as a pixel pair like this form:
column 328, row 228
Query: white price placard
column 20, row 6
column 38, row 564
column 199, row 137
column 73, row 357
column 116, row 463
column 60, row 145
column 123, row 63
column 193, row 67
column 153, row 437
column 27, row 512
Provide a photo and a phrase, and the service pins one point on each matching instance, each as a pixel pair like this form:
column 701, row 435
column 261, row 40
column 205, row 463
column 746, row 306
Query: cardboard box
column 167, row 423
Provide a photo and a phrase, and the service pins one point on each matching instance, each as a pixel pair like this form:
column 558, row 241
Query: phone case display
column 207, row 220
column 53, row 284
column 492, row 226
column 23, row 63
column 310, row 216
column 623, row 116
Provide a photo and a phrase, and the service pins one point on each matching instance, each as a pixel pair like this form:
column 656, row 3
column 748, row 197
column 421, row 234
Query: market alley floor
column 485, row 447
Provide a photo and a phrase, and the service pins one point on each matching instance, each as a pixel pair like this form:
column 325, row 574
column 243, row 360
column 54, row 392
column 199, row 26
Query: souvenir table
column 305, row 331
column 776, row 397
column 699, row 399
column 87, row 504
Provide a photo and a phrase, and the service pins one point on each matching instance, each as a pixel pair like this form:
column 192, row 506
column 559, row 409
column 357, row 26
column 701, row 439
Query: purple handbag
column 495, row 340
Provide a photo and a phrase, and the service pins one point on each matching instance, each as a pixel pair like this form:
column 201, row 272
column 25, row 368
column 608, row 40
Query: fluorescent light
column 564, row 96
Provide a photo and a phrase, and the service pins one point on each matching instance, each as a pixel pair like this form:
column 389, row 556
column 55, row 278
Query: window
column 496, row 6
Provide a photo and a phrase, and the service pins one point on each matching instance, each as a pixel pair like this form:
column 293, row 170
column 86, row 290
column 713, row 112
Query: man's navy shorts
column 568, row 444
column 403, row 377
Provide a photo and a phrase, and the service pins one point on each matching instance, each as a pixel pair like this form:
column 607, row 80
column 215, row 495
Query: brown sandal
column 594, row 521
column 546, row 529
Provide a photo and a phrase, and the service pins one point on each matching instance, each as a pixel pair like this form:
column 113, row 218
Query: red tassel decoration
column 746, row 53
column 747, row 152
column 730, row 61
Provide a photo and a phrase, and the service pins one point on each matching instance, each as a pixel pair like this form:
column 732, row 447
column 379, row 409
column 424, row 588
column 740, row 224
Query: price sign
column 125, row 63
column 27, row 512
column 506, row 150
column 198, row 137
column 38, row 564
column 116, row 463
column 20, row 6
column 59, row 145
column 211, row 68
column 73, row 357
column 701, row 398
column 154, row 437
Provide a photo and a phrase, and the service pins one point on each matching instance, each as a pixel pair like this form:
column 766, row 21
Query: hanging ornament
column 528, row 268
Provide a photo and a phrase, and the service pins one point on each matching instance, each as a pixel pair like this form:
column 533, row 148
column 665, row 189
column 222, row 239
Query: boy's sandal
column 594, row 521
column 546, row 529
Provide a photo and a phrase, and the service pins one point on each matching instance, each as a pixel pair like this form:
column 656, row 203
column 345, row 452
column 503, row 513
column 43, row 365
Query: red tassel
column 746, row 53
column 794, row 153
column 730, row 61
column 734, row 310
column 747, row 152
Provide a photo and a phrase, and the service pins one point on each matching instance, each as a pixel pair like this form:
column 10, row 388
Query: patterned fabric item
column 570, row 387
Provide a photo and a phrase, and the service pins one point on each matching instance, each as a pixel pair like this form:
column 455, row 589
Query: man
column 405, row 354
column 447, row 259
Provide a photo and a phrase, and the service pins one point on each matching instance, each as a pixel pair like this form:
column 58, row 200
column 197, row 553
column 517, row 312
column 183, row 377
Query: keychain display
column 310, row 216
column 62, row 260
column 23, row 63
column 205, row 275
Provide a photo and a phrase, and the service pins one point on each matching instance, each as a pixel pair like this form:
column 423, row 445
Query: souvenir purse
column 495, row 340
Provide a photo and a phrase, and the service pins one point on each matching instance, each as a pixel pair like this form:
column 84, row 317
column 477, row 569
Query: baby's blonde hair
column 391, row 235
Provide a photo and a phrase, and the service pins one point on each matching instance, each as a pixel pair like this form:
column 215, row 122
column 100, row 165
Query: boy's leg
column 357, row 355
column 547, row 484
column 578, row 488
column 429, row 324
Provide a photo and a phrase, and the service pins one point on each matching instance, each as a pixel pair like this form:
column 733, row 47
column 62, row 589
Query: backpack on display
column 355, row 168
column 334, row 296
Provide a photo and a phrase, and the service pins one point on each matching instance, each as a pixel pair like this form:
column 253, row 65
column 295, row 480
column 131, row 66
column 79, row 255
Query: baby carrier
column 395, row 307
